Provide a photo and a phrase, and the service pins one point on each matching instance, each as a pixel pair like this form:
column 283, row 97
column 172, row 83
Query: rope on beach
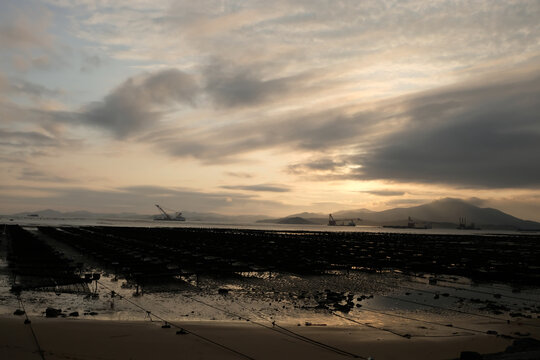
column 281, row 330
column 407, row 336
column 29, row 323
column 178, row 326
column 342, row 352
column 395, row 315
column 280, row 327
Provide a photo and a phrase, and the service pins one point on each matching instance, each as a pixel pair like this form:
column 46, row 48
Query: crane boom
column 331, row 221
column 163, row 212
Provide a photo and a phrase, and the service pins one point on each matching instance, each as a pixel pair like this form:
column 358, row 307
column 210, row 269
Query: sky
column 268, row 107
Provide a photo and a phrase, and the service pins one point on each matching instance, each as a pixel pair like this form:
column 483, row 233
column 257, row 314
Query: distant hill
column 445, row 212
column 308, row 215
column 287, row 220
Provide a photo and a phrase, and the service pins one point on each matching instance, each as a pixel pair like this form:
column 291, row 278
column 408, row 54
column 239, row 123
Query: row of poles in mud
column 223, row 251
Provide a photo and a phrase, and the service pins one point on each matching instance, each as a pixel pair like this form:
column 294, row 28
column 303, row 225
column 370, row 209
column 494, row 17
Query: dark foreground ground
column 389, row 296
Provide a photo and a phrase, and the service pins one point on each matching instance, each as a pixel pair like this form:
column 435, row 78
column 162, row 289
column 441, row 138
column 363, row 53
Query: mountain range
column 443, row 213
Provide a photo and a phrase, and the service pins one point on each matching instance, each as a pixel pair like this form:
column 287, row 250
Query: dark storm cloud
column 260, row 187
column 137, row 103
column 479, row 135
column 141, row 101
column 322, row 164
column 231, row 86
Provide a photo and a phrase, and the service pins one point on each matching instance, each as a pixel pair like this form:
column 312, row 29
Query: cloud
column 28, row 39
column 140, row 102
column 91, row 63
column 230, row 85
column 243, row 175
column 474, row 134
column 323, row 164
column 385, row 192
column 31, row 174
column 257, row 188
column 24, row 27
column 25, row 118
column 313, row 31
column 20, row 86
column 133, row 198
column 524, row 206
column 24, row 63
column 405, row 202
column 24, row 139
column 317, row 131
column 27, row 132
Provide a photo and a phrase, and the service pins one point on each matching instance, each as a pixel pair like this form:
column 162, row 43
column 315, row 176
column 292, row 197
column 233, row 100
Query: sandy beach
column 91, row 339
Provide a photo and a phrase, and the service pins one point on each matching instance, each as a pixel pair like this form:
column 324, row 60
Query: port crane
column 463, row 224
column 334, row 222
column 177, row 217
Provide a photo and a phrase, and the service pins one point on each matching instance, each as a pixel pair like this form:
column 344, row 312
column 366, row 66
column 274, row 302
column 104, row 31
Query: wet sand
column 87, row 339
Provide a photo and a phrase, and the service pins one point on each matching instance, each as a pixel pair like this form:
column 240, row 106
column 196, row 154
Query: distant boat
column 166, row 217
column 463, row 225
column 410, row 225
column 333, row 222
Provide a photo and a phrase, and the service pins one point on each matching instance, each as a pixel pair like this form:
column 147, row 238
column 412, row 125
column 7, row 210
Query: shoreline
column 68, row 338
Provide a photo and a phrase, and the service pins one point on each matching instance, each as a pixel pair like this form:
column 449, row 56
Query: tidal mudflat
column 262, row 294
